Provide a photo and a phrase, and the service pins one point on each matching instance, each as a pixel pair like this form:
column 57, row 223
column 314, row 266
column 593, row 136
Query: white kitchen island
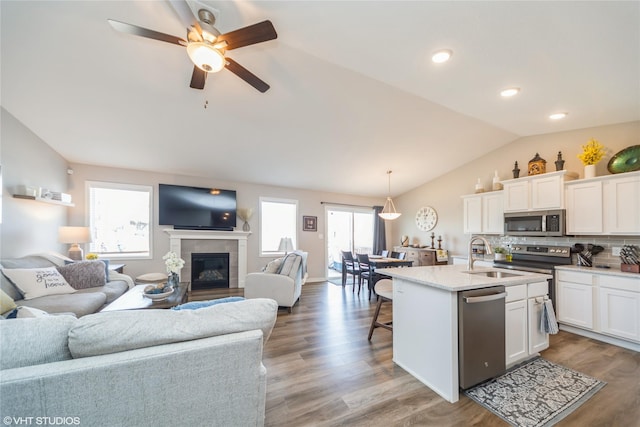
column 425, row 319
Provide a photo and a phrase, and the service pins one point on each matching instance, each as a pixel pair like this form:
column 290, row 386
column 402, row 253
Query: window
column 278, row 219
column 119, row 219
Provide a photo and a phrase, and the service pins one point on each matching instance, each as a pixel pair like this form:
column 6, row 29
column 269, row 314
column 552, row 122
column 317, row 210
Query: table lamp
column 74, row 236
column 286, row 245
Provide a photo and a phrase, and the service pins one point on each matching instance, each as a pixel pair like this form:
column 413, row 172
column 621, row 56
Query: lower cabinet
column 523, row 312
column 603, row 303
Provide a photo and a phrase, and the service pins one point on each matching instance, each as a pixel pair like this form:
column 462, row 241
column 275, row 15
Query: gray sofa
column 80, row 303
column 139, row 367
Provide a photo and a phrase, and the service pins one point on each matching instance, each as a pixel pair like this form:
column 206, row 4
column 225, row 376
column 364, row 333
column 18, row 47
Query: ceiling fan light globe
column 205, row 57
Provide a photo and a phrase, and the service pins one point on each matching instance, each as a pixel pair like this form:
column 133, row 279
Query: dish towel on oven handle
column 548, row 323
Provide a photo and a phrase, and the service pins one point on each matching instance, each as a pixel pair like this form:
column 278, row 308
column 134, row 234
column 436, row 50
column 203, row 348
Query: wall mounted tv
column 195, row 208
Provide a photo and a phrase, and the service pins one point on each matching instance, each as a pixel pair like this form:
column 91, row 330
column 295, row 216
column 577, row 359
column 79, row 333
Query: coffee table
column 134, row 299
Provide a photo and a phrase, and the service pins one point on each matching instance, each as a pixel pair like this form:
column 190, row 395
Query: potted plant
column 500, row 253
column 592, row 153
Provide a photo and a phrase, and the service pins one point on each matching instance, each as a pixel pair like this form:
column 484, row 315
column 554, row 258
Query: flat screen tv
column 195, row 208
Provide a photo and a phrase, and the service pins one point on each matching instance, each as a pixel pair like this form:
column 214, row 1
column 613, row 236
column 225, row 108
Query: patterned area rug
column 537, row 393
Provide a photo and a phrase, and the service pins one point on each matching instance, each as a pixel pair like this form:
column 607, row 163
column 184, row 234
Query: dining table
column 377, row 261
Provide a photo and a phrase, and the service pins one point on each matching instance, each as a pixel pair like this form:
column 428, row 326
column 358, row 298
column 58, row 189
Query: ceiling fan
column 205, row 45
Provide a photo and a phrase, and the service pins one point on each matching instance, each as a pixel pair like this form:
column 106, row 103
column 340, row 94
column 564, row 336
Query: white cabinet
column 523, row 312
column 516, row 324
column 575, row 299
column 537, row 192
column 622, row 204
column 584, row 207
column 604, row 205
column 483, row 213
column 619, row 303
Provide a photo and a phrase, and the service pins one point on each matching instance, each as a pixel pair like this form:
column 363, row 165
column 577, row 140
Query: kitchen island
column 425, row 318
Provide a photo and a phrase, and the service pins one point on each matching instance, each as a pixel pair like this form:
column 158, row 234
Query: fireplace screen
column 209, row 270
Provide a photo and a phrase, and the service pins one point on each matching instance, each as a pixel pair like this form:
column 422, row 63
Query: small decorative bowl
column 159, row 296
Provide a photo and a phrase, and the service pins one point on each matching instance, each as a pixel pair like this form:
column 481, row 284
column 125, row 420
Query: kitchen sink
column 496, row 274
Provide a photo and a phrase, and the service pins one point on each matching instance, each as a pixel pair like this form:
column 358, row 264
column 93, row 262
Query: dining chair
column 384, row 253
column 402, row 255
column 367, row 272
column 395, row 254
column 384, row 290
column 350, row 266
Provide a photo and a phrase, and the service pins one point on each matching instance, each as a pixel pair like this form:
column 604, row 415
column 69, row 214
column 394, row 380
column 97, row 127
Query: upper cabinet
column 604, row 205
column 537, row 192
column 483, row 213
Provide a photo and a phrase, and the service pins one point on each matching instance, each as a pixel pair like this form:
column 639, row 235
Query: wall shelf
column 40, row 199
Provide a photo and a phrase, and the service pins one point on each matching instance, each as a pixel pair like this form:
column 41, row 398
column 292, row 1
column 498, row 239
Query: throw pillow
column 105, row 261
column 273, row 267
column 26, row 312
column 6, row 303
column 288, row 264
column 84, row 274
column 194, row 305
column 38, row 282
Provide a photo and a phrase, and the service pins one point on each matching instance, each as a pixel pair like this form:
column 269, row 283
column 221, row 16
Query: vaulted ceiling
column 354, row 92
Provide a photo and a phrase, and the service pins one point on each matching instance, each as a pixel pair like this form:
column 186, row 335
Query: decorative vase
column 499, row 257
column 589, row 171
column 173, row 280
column 246, row 227
column 559, row 162
column 516, row 171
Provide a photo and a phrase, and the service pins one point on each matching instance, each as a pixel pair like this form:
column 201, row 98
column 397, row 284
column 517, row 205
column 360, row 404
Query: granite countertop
column 613, row 271
column 454, row 278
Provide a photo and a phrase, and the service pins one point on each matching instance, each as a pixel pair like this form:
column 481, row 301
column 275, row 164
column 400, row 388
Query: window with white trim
column 278, row 219
column 119, row 217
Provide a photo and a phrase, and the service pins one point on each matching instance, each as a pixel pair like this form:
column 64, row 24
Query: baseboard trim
column 600, row 337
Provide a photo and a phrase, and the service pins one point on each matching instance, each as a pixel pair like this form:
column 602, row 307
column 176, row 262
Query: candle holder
column 439, row 242
column 433, row 235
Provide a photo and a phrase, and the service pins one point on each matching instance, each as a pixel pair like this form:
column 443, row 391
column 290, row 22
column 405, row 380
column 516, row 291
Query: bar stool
column 384, row 290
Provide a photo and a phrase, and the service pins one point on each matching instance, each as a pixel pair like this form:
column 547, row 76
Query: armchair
column 283, row 283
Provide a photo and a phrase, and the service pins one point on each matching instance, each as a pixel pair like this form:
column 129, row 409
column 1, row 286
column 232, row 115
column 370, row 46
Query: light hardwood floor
column 322, row 371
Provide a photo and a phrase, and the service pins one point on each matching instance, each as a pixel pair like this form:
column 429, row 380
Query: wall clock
column 426, row 218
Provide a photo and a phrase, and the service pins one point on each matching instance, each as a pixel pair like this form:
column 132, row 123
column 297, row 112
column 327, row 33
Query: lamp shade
column 286, row 245
column 74, row 235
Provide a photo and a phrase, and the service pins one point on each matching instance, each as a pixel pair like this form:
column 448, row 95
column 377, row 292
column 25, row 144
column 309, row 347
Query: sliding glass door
column 348, row 229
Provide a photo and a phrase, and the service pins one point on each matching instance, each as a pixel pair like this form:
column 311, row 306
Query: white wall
column 247, row 196
column 27, row 226
column 444, row 192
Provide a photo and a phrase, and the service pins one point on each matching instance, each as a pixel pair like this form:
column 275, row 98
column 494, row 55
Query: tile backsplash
column 603, row 258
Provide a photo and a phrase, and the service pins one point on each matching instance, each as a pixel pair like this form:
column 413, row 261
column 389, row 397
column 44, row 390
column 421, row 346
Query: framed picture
column 309, row 223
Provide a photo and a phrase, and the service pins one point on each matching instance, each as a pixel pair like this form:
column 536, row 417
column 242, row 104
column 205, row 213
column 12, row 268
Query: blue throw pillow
column 194, row 305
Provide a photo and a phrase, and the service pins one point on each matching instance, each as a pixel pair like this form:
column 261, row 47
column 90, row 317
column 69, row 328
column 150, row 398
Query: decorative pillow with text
column 38, row 282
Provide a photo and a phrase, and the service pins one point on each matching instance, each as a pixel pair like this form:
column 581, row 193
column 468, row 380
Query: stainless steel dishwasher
column 481, row 340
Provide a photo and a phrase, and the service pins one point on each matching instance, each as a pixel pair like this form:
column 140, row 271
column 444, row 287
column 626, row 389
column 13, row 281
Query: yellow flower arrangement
column 92, row 256
column 592, row 152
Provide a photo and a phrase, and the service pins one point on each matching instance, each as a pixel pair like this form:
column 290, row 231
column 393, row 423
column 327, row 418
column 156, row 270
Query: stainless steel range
column 538, row 259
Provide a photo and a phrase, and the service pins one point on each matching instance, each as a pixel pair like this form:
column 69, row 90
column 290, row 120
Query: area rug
column 537, row 393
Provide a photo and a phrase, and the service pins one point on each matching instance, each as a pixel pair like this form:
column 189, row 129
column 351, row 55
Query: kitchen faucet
column 486, row 244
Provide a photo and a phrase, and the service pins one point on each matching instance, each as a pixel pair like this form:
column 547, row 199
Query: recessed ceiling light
column 441, row 56
column 509, row 92
column 558, row 116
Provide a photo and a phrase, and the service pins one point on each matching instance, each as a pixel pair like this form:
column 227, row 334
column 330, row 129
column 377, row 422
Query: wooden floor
column 322, row 371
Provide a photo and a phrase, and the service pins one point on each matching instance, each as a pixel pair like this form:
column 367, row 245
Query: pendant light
column 389, row 209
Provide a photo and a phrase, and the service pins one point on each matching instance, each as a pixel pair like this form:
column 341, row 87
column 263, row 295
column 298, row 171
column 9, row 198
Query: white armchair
column 281, row 281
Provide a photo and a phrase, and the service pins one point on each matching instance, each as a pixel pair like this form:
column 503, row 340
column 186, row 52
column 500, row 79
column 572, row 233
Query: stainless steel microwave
column 535, row 223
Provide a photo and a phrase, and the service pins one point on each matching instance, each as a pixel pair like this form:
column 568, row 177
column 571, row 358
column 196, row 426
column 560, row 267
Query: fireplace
column 209, row 270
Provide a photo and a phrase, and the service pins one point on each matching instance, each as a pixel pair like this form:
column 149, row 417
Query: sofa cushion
column 37, row 282
column 6, row 303
column 80, row 303
column 84, row 274
column 24, row 312
column 112, row 290
column 195, row 305
column 116, row 331
column 35, row 341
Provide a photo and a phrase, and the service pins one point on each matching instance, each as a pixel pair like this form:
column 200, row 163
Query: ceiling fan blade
column 186, row 15
column 198, row 78
column 123, row 27
column 246, row 75
column 256, row 33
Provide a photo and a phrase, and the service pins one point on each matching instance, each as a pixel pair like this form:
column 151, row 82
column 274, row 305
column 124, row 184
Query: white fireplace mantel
column 177, row 236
